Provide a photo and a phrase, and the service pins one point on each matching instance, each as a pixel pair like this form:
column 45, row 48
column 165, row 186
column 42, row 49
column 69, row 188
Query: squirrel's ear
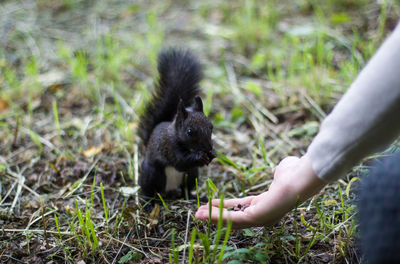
column 181, row 113
column 198, row 104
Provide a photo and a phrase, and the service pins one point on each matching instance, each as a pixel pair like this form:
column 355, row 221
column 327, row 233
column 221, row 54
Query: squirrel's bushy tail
column 179, row 77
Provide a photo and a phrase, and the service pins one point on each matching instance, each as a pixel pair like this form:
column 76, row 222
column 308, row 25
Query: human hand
column 294, row 181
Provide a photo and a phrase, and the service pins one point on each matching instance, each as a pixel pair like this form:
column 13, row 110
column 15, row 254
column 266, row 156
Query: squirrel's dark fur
column 173, row 127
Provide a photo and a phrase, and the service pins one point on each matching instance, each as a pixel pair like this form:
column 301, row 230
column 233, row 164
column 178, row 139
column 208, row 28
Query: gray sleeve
column 365, row 120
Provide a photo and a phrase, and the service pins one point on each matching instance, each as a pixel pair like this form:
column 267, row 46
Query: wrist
column 308, row 183
column 296, row 181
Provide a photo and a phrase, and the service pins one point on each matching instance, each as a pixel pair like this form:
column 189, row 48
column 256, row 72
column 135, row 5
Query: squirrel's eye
column 189, row 132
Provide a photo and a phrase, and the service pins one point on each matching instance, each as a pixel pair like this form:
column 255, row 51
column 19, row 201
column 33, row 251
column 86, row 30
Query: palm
column 293, row 179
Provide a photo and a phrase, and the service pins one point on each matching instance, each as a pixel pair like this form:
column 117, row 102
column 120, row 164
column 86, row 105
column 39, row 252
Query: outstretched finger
column 239, row 218
column 233, row 202
column 288, row 160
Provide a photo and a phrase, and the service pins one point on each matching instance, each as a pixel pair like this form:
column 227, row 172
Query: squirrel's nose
column 211, row 154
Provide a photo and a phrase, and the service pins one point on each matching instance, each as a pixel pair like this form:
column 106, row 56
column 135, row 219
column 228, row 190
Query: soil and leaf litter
column 74, row 76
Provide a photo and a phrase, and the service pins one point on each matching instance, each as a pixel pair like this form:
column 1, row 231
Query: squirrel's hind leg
column 152, row 179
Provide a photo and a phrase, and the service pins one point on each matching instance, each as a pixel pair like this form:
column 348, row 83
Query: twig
column 44, row 225
column 136, row 169
column 104, row 257
column 337, row 227
column 11, row 257
column 14, row 142
column 255, row 187
column 36, row 231
column 30, row 219
column 21, row 181
column 19, row 151
column 8, row 193
column 265, row 112
column 186, row 234
column 232, row 80
column 321, row 112
column 125, row 106
column 125, row 244
column 13, row 177
column 43, row 141
column 83, row 179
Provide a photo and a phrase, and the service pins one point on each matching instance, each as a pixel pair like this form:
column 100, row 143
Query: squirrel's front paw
column 211, row 155
column 203, row 158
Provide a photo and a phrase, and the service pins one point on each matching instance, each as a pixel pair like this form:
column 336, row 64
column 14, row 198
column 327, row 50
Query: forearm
column 365, row 120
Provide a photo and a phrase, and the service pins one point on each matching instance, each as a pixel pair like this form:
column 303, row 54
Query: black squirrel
column 173, row 127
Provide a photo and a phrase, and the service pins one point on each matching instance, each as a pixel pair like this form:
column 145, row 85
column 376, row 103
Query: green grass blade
column 35, row 138
column 104, row 203
column 94, row 237
column 92, row 190
column 206, row 244
column 197, row 194
column 224, row 160
column 56, row 120
column 57, row 225
column 219, row 225
column 227, row 234
column 209, row 196
column 192, row 240
column 175, row 252
column 87, row 226
column 163, row 202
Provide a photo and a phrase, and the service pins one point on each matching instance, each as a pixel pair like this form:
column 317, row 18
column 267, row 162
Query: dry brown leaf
column 61, row 159
column 153, row 217
column 53, row 167
column 133, row 125
column 92, row 150
column 54, row 80
column 130, row 212
column 330, row 202
column 128, row 191
column 4, row 105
